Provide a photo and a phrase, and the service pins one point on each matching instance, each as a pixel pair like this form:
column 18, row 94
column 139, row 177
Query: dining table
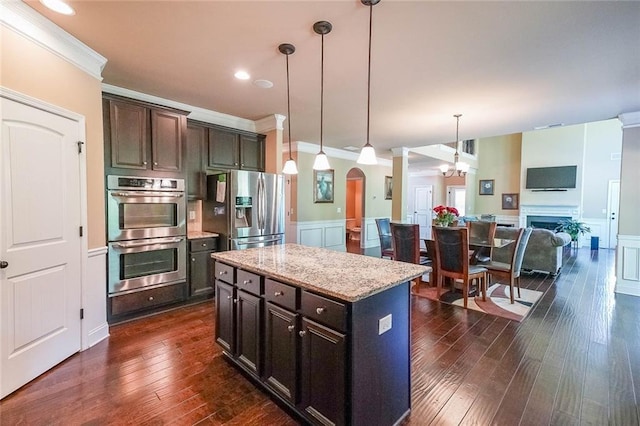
column 476, row 244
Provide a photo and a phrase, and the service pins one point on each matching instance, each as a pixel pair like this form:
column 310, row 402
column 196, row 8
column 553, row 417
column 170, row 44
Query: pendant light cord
column 321, row 90
column 289, row 109
column 369, row 71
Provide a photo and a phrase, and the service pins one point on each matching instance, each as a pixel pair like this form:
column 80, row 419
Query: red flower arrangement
column 445, row 215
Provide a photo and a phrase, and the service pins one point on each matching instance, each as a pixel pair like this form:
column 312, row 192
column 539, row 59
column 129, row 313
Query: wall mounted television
column 558, row 178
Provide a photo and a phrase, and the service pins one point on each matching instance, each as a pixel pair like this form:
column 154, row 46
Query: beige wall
column 630, row 179
column 34, row 71
column 306, row 210
column 498, row 159
column 603, row 145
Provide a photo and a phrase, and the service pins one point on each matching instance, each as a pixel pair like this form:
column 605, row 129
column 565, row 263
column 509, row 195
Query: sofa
column 543, row 252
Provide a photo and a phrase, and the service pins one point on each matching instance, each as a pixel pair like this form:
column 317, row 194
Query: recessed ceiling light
column 263, row 84
column 242, row 75
column 59, row 6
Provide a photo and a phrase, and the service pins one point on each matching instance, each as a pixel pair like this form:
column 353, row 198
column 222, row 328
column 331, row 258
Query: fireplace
column 545, row 222
column 548, row 217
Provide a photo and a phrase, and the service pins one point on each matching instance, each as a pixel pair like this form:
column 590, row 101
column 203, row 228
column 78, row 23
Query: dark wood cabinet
column 195, row 154
column 142, row 138
column 281, row 351
column 225, row 316
column 249, row 331
column 229, row 149
column 134, row 304
column 201, row 277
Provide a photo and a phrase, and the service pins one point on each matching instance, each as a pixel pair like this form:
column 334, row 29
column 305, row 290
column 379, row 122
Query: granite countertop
column 345, row 276
column 194, row 235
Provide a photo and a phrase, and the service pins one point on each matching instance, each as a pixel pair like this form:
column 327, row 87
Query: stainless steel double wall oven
column 146, row 228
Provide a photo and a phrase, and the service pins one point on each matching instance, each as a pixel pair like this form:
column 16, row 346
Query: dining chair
column 432, row 254
column 452, row 252
column 508, row 261
column 484, row 231
column 406, row 244
column 384, row 234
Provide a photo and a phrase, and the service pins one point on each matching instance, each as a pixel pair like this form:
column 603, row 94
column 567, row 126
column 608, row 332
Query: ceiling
column 507, row 67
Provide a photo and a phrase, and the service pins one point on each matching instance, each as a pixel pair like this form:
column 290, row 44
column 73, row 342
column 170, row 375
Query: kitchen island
column 326, row 333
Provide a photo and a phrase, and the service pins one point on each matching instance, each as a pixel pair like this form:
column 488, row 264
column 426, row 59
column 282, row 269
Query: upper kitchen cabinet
column 232, row 149
column 195, row 157
column 142, row 138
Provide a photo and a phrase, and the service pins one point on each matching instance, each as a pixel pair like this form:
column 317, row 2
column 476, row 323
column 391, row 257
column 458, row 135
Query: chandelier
column 459, row 167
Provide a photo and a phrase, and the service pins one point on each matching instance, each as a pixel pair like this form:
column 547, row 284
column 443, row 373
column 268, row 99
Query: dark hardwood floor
column 574, row 360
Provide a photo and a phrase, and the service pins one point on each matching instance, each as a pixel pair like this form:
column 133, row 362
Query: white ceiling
column 506, row 66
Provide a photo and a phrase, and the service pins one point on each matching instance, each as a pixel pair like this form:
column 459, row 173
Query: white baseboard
column 97, row 335
column 628, row 265
column 94, row 300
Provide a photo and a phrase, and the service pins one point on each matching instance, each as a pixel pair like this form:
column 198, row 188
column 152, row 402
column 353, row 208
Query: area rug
column 498, row 302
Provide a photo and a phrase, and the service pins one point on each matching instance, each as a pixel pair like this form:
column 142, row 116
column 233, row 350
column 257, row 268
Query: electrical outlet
column 339, row 209
column 192, row 215
column 384, row 324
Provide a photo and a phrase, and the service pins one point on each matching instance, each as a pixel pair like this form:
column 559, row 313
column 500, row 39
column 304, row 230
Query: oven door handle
column 155, row 241
column 147, row 194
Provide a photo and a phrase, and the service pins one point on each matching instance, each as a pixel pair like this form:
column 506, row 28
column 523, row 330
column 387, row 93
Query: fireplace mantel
column 571, row 211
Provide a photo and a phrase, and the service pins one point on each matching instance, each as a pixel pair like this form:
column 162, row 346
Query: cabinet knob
column 193, row 259
column 302, row 333
column 155, row 163
column 291, row 328
column 235, row 164
column 222, row 273
column 246, row 282
column 229, row 297
column 204, row 244
column 150, row 298
column 278, row 293
column 3, row 264
column 321, row 310
column 235, row 300
column 144, row 163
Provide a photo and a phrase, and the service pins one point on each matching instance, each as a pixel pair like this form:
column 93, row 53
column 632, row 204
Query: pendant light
column 459, row 167
column 321, row 27
column 290, row 167
column 368, row 153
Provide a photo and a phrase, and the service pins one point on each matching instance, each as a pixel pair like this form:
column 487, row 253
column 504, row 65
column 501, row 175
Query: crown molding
column 630, row 119
column 195, row 113
column 312, row 148
column 25, row 21
column 270, row 122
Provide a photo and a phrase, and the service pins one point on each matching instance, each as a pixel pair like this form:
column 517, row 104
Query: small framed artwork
column 486, row 186
column 509, row 201
column 323, row 186
column 388, row 187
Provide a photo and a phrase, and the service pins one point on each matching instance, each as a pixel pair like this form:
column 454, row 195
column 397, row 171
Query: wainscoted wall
column 599, row 228
column 331, row 234
column 94, row 302
column 628, row 265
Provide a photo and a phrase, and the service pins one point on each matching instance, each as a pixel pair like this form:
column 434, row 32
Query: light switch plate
column 384, row 324
column 192, row 215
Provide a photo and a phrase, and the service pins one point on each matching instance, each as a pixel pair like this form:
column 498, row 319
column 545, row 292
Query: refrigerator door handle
column 261, row 203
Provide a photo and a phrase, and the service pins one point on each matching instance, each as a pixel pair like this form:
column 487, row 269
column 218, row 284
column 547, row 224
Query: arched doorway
column 354, row 209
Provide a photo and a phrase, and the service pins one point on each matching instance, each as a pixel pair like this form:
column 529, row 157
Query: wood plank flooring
column 574, row 360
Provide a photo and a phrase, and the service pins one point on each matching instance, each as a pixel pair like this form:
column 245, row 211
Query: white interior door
column 456, row 197
column 423, row 201
column 40, row 215
column 612, row 210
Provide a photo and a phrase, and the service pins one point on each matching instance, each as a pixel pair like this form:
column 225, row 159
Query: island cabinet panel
column 225, row 316
column 249, row 331
column 201, row 282
column 323, row 374
column 281, row 351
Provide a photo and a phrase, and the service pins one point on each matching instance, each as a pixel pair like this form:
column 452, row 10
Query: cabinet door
column 194, row 162
column 129, row 135
column 200, row 273
column 223, row 149
column 166, row 137
column 251, row 153
column 248, row 330
column 323, row 373
column 225, row 316
column 280, row 351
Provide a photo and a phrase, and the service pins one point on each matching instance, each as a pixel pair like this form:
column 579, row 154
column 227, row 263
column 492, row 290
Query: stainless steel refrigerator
column 245, row 208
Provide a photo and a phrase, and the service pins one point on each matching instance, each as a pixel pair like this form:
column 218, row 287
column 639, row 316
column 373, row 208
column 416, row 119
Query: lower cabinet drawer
column 146, row 299
column 325, row 311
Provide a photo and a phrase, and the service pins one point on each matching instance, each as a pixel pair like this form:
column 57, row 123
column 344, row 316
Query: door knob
column 3, row 264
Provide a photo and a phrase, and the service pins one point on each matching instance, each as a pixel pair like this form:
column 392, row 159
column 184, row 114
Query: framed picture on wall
column 323, row 186
column 509, row 201
column 486, row 186
column 388, row 187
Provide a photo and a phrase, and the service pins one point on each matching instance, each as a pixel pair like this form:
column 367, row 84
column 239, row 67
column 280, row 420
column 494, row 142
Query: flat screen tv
column 551, row 178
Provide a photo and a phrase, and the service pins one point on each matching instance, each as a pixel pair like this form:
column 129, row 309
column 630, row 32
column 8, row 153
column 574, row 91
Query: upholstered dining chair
column 484, row 231
column 406, row 244
column 384, row 234
column 507, row 261
column 432, row 254
column 452, row 252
